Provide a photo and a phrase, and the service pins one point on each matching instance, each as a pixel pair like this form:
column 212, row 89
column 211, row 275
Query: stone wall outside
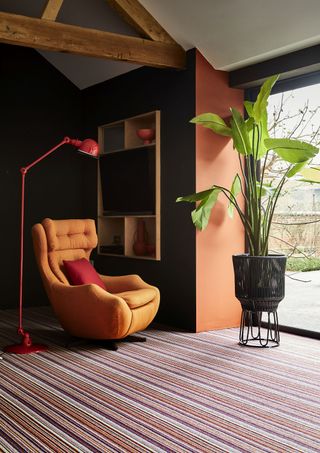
column 305, row 237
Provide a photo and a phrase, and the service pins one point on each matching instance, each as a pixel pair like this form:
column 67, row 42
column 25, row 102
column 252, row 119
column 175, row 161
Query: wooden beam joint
column 52, row 9
column 139, row 18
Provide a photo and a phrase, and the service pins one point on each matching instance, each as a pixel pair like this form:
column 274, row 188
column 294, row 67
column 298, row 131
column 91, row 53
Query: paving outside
column 301, row 306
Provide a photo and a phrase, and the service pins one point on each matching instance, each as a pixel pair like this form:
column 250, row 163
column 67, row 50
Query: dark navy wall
column 39, row 106
column 173, row 93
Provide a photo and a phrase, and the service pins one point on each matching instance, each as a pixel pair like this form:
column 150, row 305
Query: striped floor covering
column 178, row 392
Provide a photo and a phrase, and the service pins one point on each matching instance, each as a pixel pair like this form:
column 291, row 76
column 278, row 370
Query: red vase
column 147, row 135
column 151, row 249
column 141, row 239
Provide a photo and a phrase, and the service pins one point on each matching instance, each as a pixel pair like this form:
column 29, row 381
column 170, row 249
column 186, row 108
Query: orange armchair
column 88, row 311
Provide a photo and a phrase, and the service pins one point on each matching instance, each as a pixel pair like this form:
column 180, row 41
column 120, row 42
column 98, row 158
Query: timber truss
column 155, row 47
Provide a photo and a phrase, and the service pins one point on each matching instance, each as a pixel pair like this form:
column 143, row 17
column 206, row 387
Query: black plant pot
column 259, row 281
column 259, row 286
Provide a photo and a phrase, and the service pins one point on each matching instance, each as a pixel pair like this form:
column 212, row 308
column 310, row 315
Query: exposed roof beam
column 52, row 9
column 136, row 15
column 48, row 35
column 290, row 65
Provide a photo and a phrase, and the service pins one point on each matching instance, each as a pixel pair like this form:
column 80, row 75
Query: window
column 294, row 111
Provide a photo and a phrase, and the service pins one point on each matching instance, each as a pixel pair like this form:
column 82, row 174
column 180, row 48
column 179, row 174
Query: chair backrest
column 58, row 240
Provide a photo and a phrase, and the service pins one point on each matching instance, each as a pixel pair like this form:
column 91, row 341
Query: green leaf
column 295, row 169
column 262, row 100
column 249, row 124
column 264, row 134
column 235, row 190
column 259, row 148
column 201, row 215
column 266, row 190
column 311, row 174
column 249, row 107
column 213, row 122
column 240, row 134
column 292, row 151
column 195, row 196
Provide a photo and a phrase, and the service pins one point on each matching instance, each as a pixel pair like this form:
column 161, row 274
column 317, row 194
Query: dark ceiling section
column 32, row 8
column 95, row 14
column 291, row 65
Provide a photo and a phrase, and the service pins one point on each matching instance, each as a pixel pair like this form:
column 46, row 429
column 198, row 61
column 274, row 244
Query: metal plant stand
column 259, row 286
column 253, row 334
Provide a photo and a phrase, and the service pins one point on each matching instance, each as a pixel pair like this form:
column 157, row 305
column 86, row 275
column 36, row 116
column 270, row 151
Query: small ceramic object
column 147, row 135
column 151, row 249
column 141, row 239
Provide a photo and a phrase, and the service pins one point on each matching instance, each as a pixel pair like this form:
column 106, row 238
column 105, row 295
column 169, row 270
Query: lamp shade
column 89, row 146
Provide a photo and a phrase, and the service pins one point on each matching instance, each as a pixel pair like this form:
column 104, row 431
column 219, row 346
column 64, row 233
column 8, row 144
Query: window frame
column 283, row 85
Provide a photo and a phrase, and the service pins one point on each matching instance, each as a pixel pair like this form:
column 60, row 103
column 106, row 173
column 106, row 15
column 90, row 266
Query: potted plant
column 259, row 276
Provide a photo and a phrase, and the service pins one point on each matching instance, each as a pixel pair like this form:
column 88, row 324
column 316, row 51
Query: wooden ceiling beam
column 49, row 35
column 51, row 10
column 136, row 15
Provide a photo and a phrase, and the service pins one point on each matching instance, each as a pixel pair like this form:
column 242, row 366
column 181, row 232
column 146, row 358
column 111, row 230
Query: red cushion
column 81, row 272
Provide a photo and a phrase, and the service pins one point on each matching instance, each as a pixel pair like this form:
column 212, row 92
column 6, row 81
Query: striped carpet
column 177, row 392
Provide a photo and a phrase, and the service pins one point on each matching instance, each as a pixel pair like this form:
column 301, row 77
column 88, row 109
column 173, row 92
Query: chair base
column 133, row 339
column 110, row 345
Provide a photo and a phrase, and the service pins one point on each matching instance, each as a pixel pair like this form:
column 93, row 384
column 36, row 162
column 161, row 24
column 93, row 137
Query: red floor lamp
column 87, row 146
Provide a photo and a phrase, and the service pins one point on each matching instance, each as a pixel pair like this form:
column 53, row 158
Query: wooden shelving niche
column 129, row 189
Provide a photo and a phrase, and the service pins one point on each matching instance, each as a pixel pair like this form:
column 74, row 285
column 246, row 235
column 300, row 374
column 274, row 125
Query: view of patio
column 296, row 223
column 301, row 306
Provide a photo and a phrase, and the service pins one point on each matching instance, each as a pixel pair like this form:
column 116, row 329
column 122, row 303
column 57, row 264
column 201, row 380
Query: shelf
column 112, row 138
column 111, row 233
column 132, row 148
column 117, row 171
column 131, row 236
column 151, row 258
column 143, row 257
column 131, row 126
column 111, row 216
column 139, row 216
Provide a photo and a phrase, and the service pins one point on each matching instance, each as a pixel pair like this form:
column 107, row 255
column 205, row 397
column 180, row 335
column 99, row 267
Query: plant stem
column 273, row 204
column 246, row 224
column 245, row 180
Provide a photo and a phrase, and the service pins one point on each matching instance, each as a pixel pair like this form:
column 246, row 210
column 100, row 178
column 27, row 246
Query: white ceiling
column 235, row 33
column 230, row 33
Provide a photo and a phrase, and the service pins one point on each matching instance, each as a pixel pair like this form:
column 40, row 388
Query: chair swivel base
column 111, row 345
column 133, row 339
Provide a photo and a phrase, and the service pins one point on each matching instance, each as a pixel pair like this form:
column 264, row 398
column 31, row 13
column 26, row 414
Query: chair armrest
column 90, row 312
column 123, row 283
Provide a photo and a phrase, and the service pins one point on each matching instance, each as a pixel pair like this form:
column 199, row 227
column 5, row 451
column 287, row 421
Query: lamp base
column 22, row 349
column 26, row 346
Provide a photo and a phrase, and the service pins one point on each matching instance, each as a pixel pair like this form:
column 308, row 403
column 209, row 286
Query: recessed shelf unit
column 129, row 189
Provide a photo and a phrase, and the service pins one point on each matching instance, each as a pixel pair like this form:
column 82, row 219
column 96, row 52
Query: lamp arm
column 66, row 140
column 23, row 172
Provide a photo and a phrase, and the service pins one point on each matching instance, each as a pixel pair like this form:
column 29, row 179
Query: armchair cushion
column 81, row 272
column 139, row 297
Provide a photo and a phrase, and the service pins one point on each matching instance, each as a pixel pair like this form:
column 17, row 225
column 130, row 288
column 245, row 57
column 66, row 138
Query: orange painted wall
column 216, row 163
